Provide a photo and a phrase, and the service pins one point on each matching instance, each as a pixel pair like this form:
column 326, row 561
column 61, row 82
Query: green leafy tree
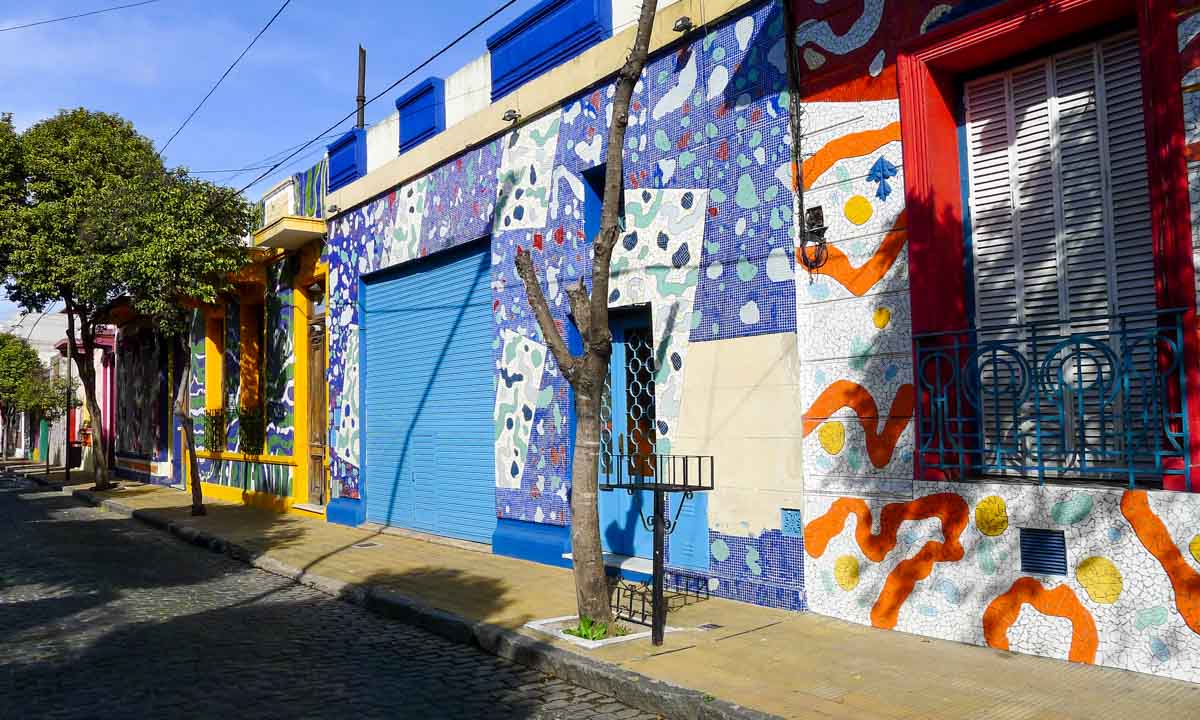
column 11, row 167
column 26, row 386
column 98, row 219
column 191, row 244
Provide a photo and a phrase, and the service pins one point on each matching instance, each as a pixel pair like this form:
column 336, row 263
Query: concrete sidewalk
column 777, row 662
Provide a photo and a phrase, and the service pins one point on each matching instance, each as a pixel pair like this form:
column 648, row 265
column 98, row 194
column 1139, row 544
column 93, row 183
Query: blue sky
column 152, row 64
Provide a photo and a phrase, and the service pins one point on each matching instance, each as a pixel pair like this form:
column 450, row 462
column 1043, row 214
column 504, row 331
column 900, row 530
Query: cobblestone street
column 102, row 617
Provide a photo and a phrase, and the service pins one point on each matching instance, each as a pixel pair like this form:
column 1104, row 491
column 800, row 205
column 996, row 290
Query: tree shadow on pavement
column 473, row 597
column 287, row 653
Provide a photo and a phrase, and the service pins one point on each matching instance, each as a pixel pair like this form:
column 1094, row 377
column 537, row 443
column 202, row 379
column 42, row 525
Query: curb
column 642, row 692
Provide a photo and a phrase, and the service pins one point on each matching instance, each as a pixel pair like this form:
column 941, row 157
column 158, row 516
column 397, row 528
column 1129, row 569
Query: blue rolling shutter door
column 428, row 396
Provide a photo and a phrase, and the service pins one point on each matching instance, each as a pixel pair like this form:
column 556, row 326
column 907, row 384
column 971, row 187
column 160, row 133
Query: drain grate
column 365, row 545
column 709, row 626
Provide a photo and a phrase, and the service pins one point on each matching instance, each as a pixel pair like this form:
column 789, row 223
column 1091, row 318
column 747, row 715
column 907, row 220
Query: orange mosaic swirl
column 1059, row 602
column 951, row 509
column 859, row 280
column 855, row 144
column 1149, row 528
column 844, row 393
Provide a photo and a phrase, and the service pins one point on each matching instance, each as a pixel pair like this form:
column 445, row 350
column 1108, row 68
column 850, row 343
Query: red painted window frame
column 929, row 70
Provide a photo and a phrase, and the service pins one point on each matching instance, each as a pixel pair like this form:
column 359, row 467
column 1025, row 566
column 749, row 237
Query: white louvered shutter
column 1059, row 203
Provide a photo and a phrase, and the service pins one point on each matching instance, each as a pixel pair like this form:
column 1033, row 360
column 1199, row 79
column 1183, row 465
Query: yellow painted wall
column 310, row 270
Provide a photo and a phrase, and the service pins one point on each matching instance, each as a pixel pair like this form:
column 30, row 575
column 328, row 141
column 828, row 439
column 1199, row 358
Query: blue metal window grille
column 627, row 416
column 1100, row 400
column 1043, row 552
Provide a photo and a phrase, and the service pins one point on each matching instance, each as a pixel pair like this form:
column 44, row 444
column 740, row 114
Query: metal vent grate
column 790, row 523
column 1043, row 552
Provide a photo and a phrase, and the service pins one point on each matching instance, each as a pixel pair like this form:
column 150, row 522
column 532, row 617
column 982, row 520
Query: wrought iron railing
column 1094, row 400
column 634, row 601
column 652, row 471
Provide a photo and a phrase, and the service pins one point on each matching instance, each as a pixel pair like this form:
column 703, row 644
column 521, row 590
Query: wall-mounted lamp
column 683, row 24
column 511, row 116
column 813, row 250
column 332, row 210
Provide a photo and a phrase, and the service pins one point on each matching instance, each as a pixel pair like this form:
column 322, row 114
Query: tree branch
column 567, row 362
column 581, row 310
column 600, row 339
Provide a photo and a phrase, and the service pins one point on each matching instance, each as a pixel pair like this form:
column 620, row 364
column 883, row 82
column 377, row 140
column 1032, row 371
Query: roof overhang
column 290, row 232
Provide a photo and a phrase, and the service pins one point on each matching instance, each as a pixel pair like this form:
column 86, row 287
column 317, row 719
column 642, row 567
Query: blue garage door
column 427, row 364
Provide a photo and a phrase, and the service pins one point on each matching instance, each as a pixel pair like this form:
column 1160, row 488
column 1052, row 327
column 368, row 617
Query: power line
column 223, row 76
column 80, row 15
column 506, row 5
column 227, row 170
column 260, row 163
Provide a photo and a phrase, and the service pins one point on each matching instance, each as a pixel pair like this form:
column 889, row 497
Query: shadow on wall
column 748, row 78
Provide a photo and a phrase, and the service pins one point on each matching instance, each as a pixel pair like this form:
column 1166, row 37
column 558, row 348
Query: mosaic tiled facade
column 280, row 376
column 707, row 244
column 943, row 559
column 268, row 478
column 947, row 564
column 196, row 389
column 141, row 372
column 710, row 245
column 232, row 373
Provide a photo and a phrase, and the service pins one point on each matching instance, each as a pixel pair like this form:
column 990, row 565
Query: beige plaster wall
column 741, row 405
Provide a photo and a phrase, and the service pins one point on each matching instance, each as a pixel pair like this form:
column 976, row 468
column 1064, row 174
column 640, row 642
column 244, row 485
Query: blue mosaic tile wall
column 764, row 570
column 708, row 176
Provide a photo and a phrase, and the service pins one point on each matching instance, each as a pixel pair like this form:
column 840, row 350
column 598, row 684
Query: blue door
column 428, row 395
column 627, row 419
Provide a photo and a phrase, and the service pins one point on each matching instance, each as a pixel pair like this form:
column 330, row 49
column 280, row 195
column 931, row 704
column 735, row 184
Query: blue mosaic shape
column 791, row 523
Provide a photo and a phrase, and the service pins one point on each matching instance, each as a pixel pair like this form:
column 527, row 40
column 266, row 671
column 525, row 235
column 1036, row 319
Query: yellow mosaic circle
column 858, row 209
column 881, row 317
column 991, row 515
column 1101, row 578
column 1195, row 548
column 832, row 435
column 845, row 571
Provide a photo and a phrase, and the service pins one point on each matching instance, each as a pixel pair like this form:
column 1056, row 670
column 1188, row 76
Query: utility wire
column 227, row 170
column 260, row 163
column 80, row 15
column 389, row 88
column 223, row 76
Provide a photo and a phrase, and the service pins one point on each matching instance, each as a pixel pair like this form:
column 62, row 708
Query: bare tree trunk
column 586, row 373
column 183, row 412
column 4, row 441
column 83, row 357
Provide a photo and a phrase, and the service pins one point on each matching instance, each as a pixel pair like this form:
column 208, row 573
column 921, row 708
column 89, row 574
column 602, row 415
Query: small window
column 251, row 361
column 593, row 202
